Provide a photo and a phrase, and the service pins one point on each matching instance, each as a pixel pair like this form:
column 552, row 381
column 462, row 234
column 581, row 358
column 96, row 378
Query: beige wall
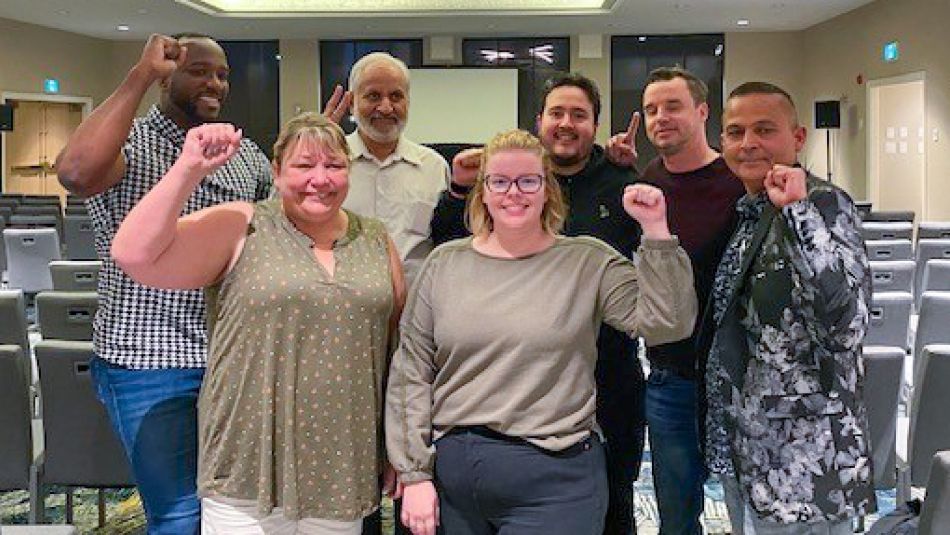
column 837, row 51
column 29, row 54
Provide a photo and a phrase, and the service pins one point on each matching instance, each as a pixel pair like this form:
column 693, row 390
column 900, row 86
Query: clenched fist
column 647, row 205
column 785, row 185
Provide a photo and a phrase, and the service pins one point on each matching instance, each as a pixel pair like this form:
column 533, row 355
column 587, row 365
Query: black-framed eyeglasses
column 525, row 183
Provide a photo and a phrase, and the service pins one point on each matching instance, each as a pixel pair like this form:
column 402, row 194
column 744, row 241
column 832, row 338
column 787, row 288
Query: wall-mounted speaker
column 828, row 114
column 6, row 117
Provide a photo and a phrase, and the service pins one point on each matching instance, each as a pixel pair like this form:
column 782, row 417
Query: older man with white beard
column 391, row 178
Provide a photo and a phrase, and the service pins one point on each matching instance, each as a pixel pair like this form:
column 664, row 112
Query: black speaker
column 6, row 117
column 828, row 114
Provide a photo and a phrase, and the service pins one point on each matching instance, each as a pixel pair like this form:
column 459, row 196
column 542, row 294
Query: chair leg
column 37, row 498
column 102, row 508
column 69, row 505
column 859, row 525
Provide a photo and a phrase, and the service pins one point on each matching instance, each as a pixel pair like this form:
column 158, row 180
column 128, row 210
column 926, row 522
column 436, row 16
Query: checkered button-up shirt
column 146, row 328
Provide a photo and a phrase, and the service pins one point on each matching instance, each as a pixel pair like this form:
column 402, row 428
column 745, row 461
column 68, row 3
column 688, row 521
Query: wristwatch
column 459, row 189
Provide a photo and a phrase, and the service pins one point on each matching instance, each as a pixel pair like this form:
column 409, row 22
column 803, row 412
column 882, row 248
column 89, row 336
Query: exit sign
column 891, row 52
column 51, row 85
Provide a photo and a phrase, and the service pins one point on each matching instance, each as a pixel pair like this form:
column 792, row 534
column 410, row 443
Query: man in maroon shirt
column 701, row 194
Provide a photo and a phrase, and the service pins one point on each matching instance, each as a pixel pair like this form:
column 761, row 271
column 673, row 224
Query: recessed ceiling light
column 642, row 38
column 122, row 27
column 718, row 50
column 742, row 22
column 278, row 57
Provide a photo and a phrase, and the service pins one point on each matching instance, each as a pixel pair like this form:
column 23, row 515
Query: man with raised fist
column 787, row 425
column 151, row 344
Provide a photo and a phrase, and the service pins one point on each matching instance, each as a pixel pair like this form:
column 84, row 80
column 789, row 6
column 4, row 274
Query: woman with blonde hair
column 490, row 407
column 302, row 298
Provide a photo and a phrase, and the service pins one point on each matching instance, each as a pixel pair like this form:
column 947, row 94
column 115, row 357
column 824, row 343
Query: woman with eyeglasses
column 490, row 406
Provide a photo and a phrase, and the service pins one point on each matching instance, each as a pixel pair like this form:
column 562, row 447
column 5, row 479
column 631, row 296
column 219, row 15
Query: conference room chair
column 933, row 230
column 77, row 209
column 864, row 208
column 936, row 276
column 933, row 326
column 889, row 319
column 37, row 221
column 13, row 322
column 890, row 249
column 872, row 230
column 935, row 513
column 883, row 368
column 889, row 216
column 892, row 275
column 928, row 249
column 66, row 315
column 16, row 431
column 29, row 252
column 80, row 237
column 925, row 432
column 75, row 275
column 81, row 449
column 38, row 209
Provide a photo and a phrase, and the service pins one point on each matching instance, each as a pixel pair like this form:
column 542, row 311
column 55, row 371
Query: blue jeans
column 679, row 469
column 155, row 415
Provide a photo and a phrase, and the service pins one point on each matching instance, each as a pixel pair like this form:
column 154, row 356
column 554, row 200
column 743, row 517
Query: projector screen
column 461, row 105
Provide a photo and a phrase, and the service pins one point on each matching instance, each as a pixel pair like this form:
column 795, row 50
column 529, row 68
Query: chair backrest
column 933, row 325
column 864, row 208
column 81, row 447
column 41, row 199
column 29, row 252
column 928, row 250
column 890, row 249
column 13, row 322
column 75, row 275
column 889, row 216
column 935, row 513
column 936, row 276
column 80, row 237
column 77, row 209
column 890, row 319
column 892, row 275
column 882, row 380
column 929, row 432
column 875, row 230
column 933, row 230
column 16, row 446
column 66, row 315
column 39, row 209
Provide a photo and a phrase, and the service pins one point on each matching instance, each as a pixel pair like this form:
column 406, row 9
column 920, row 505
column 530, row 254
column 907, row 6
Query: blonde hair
column 477, row 218
column 314, row 127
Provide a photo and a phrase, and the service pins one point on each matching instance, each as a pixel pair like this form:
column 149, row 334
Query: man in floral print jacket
column 787, row 426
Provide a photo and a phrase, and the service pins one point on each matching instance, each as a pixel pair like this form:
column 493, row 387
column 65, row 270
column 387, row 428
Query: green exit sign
column 891, row 52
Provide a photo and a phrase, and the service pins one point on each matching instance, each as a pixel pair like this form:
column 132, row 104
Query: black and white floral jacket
column 789, row 370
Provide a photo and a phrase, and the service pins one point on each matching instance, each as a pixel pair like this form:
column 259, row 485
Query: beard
column 365, row 125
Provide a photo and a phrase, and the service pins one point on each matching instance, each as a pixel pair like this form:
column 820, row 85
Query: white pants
column 745, row 522
column 230, row 516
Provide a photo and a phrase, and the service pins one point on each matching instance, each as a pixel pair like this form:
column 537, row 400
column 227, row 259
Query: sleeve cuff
column 414, row 477
column 660, row 245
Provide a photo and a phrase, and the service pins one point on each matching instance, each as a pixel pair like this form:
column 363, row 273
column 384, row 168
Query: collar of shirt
column 750, row 206
column 164, row 125
column 404, row 151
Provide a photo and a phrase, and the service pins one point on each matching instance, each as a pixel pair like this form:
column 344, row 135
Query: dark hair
column 761, row 88
column 697, row 88
column 577, row 80
column 190, row 35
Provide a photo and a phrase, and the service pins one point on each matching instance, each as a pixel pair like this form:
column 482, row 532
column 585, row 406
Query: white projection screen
column 461, row 105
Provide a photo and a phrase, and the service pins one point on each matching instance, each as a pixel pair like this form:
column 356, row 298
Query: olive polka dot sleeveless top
column 289, row 412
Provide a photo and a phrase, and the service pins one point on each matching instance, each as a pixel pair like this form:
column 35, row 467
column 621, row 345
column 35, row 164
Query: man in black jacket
column 593, row 189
